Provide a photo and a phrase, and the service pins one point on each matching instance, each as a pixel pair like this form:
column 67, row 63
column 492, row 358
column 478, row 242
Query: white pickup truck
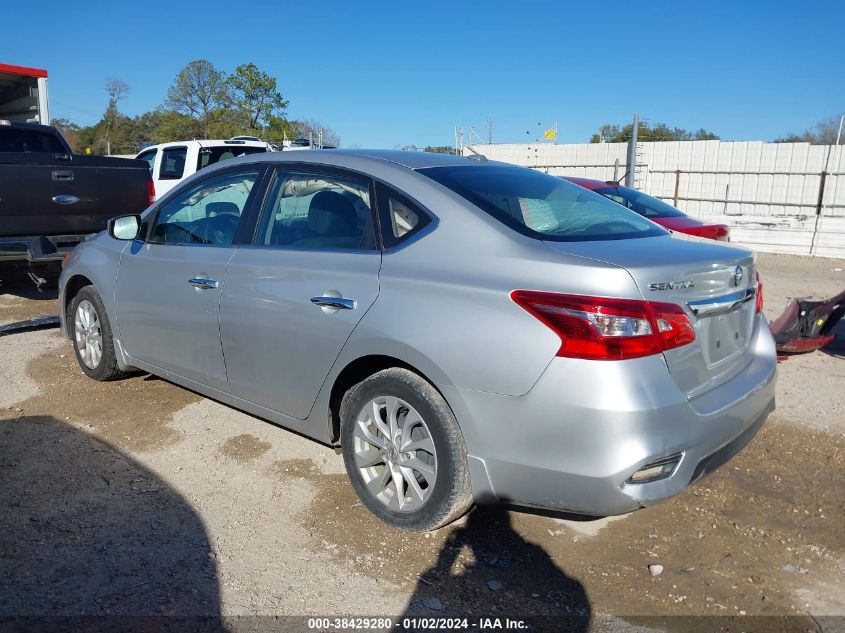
column 171, row 163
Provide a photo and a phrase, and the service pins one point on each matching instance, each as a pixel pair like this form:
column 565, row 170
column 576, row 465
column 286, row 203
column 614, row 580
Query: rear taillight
column 600, row 328
column 759, row 306
column 720, row 232
column 151, row 192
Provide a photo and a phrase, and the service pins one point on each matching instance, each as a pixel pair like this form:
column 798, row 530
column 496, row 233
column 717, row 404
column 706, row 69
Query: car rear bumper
column 576, row 438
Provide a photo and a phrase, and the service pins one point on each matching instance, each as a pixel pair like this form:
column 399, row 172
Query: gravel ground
column 139, row 497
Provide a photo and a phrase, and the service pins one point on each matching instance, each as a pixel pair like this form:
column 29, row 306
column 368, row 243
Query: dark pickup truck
column 52, row 199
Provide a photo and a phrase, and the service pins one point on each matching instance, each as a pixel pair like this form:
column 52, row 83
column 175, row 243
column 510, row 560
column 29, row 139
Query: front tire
column 92, row 336
column 404, row 451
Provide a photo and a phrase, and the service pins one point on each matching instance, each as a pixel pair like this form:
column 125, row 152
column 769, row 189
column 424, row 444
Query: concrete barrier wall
column 767, row 192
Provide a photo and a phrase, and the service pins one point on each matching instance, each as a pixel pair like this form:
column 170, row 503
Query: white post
column 830, row 150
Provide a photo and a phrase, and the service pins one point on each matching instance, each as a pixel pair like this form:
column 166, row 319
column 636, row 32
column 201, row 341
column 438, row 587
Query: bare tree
column 310, row 128
column 822, row 133
column 116, row 89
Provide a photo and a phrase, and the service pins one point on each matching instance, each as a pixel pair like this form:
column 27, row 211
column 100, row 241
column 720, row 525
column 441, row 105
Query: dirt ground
column 139, row 497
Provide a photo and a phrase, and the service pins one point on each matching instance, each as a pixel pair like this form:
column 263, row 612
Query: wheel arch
column 357, row 370
column 72, row 287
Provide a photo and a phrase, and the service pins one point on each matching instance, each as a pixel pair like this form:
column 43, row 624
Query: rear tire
column 404, row 451
column 92, row 336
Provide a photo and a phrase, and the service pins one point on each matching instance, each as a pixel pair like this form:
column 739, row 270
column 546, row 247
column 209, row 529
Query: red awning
column 22, row 70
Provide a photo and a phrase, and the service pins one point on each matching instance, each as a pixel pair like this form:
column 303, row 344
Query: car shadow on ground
column 505, row 577
column 87, row 532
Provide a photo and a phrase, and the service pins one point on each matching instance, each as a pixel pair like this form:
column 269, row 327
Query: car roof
column 205, row 143
column 590, row 183
column 404, row 158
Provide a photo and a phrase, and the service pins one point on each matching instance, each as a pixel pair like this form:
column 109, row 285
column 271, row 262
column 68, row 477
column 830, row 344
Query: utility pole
column 489, row 130
column 632, row 153
column 459, row 141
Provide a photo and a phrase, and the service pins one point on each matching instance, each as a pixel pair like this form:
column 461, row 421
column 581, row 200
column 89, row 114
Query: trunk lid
column 713, row 282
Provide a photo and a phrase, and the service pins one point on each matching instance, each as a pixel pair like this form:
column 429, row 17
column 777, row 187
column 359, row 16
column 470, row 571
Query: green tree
column 439, row 149
column 199, row 91
column 69, row 130
column 254, row 97
column 278, row 128
column 612, row 133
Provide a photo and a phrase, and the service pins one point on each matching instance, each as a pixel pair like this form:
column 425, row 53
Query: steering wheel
column 220, row 229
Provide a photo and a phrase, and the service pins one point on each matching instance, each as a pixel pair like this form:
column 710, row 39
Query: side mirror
column 125, row 227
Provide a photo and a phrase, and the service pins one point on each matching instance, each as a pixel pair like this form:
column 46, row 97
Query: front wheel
column 404, row 452
column 92, row 336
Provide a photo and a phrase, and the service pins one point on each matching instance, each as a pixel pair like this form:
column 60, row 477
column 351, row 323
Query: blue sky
column 388, row 73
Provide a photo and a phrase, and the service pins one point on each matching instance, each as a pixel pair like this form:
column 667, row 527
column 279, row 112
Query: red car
column 654, row 209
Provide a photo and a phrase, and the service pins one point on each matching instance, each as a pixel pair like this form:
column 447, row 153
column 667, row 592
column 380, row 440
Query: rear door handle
column 338, row 303
column 202, row 283
column 62, row 176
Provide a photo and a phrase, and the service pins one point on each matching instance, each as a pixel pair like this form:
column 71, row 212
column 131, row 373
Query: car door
column 293, row 297
column 168, row 286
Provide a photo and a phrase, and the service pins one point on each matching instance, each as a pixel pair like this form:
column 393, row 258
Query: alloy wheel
column 88, row 334
column 395, row 453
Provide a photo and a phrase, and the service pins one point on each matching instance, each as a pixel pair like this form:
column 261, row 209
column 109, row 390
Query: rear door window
column 542, row 206
column 210, row 155
column 400, row 218
column 172, row 163
column 317, row 211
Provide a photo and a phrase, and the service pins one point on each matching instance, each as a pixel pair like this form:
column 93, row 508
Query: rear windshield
column 211, row 155
column 642, row 203
column 16, row 140
column 542, row 206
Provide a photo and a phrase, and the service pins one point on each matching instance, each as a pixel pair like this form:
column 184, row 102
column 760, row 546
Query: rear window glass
column 210, row 155
column 12, row 140
column 148, row 157
column 542, row 206
column 173, row 163
column 642, row 203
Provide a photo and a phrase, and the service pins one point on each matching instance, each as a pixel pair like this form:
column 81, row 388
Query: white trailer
column 23, row 94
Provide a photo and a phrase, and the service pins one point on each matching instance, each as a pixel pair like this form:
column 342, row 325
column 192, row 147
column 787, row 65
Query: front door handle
column 202, row 283
column 338, row 303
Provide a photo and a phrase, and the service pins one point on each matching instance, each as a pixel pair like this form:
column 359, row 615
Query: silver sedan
column 466, row 331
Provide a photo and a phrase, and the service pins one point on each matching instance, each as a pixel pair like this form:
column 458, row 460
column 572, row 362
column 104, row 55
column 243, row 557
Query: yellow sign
column 550, row 135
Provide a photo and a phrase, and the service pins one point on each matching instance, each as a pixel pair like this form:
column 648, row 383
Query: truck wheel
column 92, row 336
column 404, row 452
